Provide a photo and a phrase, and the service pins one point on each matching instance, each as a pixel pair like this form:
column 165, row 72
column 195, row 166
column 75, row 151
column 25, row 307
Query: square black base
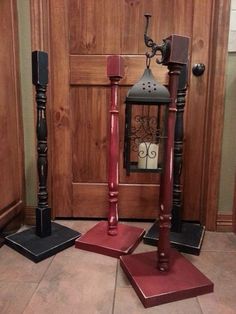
column 37, row 249
column 189, row 240
column 1, row 241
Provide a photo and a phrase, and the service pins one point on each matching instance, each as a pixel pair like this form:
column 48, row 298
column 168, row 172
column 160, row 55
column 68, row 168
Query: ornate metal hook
column 163, row 48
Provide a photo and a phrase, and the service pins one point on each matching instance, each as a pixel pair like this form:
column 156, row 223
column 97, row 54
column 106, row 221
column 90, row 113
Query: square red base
column 97, row 240
column 154, row 287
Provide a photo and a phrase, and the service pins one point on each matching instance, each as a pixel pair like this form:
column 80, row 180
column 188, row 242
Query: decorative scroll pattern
column 164, row 48
column 146, row 130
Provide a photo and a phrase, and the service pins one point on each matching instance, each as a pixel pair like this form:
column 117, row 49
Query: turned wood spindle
column 178, row 153
column 40, row 80
column 166, row 191
column 115, row 72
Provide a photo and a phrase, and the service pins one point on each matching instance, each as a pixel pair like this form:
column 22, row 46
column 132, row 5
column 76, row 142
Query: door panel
column 117, row 26
column 91, row 200
column 90, row 147
column 83, row 33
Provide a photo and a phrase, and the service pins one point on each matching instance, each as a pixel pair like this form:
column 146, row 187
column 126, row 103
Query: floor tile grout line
column 46, row 269
column 36, row 288
column 114, row 295
column 200, row 305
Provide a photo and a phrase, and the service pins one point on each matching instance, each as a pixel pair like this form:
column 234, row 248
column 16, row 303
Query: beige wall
column 228, row 165
column 27, row 101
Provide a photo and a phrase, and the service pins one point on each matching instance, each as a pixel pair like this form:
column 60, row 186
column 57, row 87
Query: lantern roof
column 148, row 90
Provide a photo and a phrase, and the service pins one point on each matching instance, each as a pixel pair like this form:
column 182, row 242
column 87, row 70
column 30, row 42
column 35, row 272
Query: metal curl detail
column 164, row 48
column 145, row 130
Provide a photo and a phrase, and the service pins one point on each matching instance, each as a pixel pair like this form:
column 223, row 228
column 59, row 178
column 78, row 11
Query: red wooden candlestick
column 167, row 176
column 115, row 72
column 109, row 237
column 147, row 271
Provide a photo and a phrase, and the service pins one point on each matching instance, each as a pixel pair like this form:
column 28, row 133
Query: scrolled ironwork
column 164, row 48
column 148, row 152
column 146, row 129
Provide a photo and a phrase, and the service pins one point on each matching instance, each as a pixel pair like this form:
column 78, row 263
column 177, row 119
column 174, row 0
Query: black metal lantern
column 145, row 125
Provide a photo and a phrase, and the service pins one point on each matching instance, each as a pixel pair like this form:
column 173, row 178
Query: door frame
column 12, row 210
column 234, row 207
column 40, row 26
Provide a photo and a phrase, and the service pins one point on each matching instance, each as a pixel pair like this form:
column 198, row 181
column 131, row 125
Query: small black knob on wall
column 198, row 69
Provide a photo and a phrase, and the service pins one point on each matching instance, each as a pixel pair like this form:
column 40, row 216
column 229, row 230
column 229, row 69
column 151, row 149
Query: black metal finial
column 163, row 48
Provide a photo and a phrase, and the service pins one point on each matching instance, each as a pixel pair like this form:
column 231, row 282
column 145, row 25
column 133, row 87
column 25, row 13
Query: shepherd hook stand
column 165, row 275
column 186, row 236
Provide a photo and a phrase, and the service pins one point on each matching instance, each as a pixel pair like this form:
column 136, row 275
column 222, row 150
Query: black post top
column 39, row 68
column 183, row 77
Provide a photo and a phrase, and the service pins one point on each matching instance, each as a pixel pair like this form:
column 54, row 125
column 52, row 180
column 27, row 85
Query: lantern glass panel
column 145, row 136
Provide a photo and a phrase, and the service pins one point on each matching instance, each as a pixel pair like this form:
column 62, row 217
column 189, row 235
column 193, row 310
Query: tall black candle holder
column 46, row 238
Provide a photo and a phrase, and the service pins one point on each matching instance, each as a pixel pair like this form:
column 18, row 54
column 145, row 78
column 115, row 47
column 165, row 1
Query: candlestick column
column 115, row 70
column 167, row 176
column 40, row 80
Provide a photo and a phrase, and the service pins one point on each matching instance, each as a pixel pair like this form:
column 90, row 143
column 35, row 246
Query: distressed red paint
column 115, row 72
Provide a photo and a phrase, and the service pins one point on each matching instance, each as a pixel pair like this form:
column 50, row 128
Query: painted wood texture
column 82, row 34
column 115, row 71
column 11, row 143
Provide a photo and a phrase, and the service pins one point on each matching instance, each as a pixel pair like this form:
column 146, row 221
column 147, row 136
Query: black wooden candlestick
column 46, row 238
column 178, row 156
column 40, row 80
column 186, row 236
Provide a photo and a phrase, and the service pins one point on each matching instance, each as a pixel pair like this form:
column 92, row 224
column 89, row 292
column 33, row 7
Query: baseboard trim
column 29, row 217
column 224, row 222
column 10, row 213
column 224, row 219
column 234, row 207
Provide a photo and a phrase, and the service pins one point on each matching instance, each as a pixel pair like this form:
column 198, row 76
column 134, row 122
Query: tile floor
column 80, row 282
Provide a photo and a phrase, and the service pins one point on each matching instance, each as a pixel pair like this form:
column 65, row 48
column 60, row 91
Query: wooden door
column 11, row 137
column 82, row 34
